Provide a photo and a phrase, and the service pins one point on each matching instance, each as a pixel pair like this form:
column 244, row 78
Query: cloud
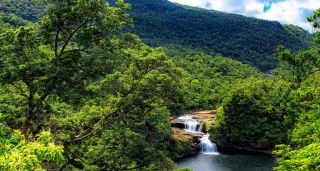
column 285, row 11
column 195, row 3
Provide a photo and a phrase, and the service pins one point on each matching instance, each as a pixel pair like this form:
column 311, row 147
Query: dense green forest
column 286, row 104
column 80, row 90
column 162, row 23
column 249, row 40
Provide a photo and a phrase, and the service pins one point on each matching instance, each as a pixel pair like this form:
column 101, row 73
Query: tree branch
column 56, row 41
column 71, row 35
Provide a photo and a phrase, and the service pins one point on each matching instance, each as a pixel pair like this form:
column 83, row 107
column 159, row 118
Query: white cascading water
column 207, row 146
column 191, row 125
column 200, row 128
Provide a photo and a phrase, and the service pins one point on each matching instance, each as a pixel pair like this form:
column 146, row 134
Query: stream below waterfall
column 209, row 159
column 222, row 162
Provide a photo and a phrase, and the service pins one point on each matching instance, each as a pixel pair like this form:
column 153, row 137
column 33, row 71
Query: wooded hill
column 246, row 39
column 162, row 23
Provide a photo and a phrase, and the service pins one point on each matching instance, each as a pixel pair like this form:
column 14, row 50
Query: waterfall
column 200, row 128
column 191, row 124
column 208, row 147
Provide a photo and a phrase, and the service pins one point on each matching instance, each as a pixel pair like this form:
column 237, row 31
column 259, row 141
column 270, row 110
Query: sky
column 285, row 11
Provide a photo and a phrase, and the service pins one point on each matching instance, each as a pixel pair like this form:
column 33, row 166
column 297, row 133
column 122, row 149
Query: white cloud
column 285, row 11
column 195, row 3
column 291, row 12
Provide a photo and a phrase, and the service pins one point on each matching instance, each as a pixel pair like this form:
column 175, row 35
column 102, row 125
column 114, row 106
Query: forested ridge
column 246, row 39
column 80, row 89
column 162, row 23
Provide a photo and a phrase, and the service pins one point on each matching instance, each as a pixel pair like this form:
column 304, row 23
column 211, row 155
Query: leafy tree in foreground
column 17, row 154
column 51, row 55
column 125, row 124
column 103, row 93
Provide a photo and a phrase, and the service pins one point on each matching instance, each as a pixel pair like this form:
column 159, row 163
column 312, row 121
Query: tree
column 104, row 94
column 126, row 116
column 306, row 62
column 314, row 19
column 303, row 149
column 255, row 115
column 52, row 54
column 306, row 158
column 302, row 64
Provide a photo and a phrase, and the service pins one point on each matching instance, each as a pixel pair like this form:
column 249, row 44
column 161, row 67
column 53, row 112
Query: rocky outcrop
column 177, row 123
column 204, row 115
column 205, row 112
column 180, row 134
column 187, row 143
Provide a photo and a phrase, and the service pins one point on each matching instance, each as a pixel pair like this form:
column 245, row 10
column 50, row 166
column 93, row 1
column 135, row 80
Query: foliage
column 298, row 32
column 18, row 154
column 181, row 148
column 104, row 94
column 162, row 23
column 53, row 53
column 129, row 111
column 303, row 159
column 71, row 67
column 302, row 63
column 303, row 150
column 256, row 114
column 206, row 79
column 24, row 9
column 184, row 169
column 3, row 26
column 307, row 131
column 314, row 19
column 249, row 40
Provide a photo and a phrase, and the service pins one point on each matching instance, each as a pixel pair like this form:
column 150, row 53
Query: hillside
column 162, row 23
column 250, row 40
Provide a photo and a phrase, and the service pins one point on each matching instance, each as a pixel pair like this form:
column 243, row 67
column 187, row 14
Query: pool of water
column 222, row 162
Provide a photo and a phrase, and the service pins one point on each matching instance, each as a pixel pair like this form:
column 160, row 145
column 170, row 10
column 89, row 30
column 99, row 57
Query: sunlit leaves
column 17, row 154
column 304, row 159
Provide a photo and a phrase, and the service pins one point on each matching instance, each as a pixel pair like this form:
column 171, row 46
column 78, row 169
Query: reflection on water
column 223, row 162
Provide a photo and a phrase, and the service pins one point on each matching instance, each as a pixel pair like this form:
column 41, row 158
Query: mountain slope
column 162, row 23
column 250, row 40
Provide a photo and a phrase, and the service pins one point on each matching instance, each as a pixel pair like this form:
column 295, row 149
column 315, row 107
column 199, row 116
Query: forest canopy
column 80, row 90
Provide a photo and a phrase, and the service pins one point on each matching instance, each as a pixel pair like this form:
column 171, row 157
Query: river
column 223, row 162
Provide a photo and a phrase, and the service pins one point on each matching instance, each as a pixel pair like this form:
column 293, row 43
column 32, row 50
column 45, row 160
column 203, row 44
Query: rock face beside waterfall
column 187, row 143
column 187, row 132
column 205, row 115
column 177, row 123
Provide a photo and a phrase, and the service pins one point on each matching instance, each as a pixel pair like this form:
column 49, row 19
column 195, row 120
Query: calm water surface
column 223, row 162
